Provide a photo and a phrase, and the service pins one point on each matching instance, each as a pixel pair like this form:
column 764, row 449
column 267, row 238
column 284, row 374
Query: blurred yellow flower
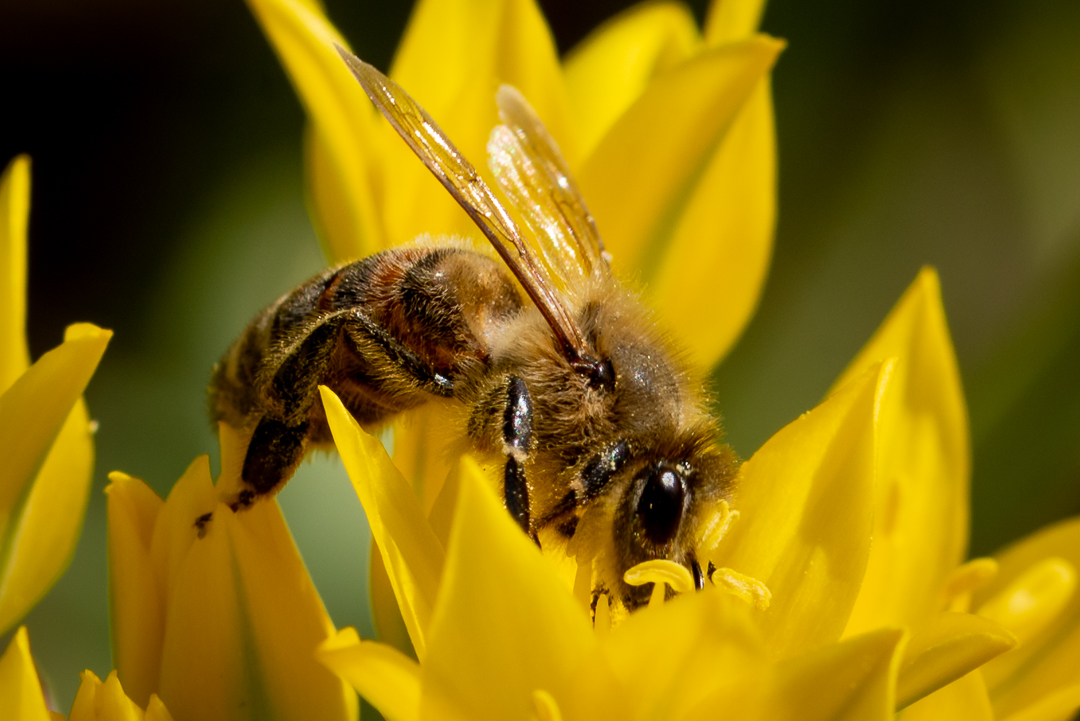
column 214, row 611
column 22, row 698
column 46, row 439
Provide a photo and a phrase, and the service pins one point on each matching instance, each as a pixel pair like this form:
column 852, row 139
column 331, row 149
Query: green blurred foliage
column 168, row 205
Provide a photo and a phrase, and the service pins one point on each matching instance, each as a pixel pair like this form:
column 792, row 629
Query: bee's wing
column 458, row 176
column 534, row 175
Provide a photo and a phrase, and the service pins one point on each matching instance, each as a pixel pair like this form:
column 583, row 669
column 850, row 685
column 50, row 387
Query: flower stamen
column 544, row 706
column 661, row 573
column 746, row 588
column 717, row 527
column 966, row 580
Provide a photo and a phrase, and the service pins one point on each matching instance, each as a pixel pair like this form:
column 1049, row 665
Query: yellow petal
column 48, row 457
column 411, row 553
column 732, row 20
column 1061, row 705
column 136, row 598
column 21, row 698
column 719, row 251
column 286, row 618
column 422, row 449
column 1046, row 663
column 243, row 623
column 806, row 503
column 156, row 711
column 1033, row 600
column 504, row 616
column 14, row 211
column 642, row 173
column 945, row 649
column 964, row 699
column 343, row 163
column 852, row 680
column 388, row 679
column 669, row 659
column 452, row 59
column 175, row 532
column 921, row 500
column 52, row 518
column 385, row 614
column 610, row 68
column 97, row 701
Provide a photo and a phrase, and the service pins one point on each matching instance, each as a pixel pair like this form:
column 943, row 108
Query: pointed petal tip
column 344, row 638
column 78, row 331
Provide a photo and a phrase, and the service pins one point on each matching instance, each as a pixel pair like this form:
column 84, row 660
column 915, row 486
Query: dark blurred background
column 167, row 205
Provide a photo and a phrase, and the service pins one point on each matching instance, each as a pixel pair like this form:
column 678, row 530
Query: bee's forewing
column 533, row 174
column 460, row 178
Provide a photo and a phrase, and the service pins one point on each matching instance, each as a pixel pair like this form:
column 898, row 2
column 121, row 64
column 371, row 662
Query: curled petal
column 46, row 444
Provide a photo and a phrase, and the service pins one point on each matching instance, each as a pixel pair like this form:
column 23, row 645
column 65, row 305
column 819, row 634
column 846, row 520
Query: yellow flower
column 46, row 437
column 854, row 517
column 504, row 615
column 490, row 607
column 22, row 699
column 214, row 611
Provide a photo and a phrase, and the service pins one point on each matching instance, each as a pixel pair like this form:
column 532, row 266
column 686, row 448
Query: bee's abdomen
column 385, row 332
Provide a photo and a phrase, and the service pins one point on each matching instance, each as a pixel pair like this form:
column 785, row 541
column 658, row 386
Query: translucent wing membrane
column 458, row 176
column 533, row 174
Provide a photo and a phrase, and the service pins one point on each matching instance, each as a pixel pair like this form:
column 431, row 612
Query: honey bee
column 569, row 386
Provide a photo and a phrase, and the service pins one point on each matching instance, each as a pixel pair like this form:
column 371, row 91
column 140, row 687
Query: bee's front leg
column 517, row 439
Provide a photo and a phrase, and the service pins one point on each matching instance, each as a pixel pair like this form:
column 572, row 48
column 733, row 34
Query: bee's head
column 668, row 492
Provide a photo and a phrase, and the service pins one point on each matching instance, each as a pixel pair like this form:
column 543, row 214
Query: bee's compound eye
column 660, row 507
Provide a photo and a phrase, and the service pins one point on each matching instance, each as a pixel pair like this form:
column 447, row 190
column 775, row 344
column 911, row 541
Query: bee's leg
column 395, row 363
column 699, row 577
column 517, row 437
column 280, row 438
column 275, row 451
